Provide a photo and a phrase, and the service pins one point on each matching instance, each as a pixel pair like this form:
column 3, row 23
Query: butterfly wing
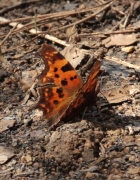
column 57, row 85
column 86, row 95
column 58, row 70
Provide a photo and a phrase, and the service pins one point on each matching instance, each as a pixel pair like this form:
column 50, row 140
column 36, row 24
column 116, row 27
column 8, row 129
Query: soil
column 103, row 142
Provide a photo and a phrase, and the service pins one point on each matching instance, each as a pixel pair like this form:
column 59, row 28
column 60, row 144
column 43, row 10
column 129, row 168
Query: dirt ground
column 103, row 142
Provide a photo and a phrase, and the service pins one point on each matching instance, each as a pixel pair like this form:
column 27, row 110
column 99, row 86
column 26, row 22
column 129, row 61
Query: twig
column 38, row 22
column 122, row 62
column 115, row 9
column 52, row 38
column 128, row 16
column 84, row 19
column 54, row 15
column 16, row 6
column 33, row 31
column 8, row 34
column 30, row 25
column 102, row 34
column 13, row 48
column 119, row 23
column 111, row 32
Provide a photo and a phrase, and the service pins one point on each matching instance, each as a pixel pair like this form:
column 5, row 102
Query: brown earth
column 104, row 141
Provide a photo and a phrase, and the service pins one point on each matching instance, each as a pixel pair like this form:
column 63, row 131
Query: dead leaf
column 6, row 124
column 5, row 154
column 72, row 34
column 137, row 24
column 28, row 79
column 120, row 94
column 73, row 54
column 120, row 40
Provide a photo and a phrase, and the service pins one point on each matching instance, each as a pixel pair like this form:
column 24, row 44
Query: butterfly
column 62, row 93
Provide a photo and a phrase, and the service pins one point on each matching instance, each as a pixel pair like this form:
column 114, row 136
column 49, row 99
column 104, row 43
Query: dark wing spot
column 55, row 69
column 67, row 67
column 64, row 82
column 75, row 77
column 56, row 75
column 59, row 90
column 56, row 102
column 72, row 78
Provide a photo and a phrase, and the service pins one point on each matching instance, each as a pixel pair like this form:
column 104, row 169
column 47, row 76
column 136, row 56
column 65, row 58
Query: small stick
column 49, row 16
column 115, row 9
column 84, row 19
column 128, row 16
column 67, row 26
column 111, row 32
column 8, row 34
column 101, row 33
column 122, row 62
column 119, row 23
column 54, row 15
column 33, row 31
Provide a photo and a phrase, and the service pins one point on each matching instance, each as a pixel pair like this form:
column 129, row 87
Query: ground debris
column 102, row 142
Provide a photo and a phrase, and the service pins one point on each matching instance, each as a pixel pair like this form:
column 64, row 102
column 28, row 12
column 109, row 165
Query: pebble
column 120, row 108
column 128, row 49
column 132, row 158
column 89, row 175
column 126, row 150
column 27, row 158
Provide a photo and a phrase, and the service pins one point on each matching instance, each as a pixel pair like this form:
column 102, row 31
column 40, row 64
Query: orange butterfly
column 62, row 91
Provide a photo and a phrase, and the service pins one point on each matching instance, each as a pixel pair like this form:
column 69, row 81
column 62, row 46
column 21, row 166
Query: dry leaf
column 5, row 124
column 5, row 154
column 73, row 54
column 120, row 40
column 120, row 94
column 72, row 33
column 28, row 79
